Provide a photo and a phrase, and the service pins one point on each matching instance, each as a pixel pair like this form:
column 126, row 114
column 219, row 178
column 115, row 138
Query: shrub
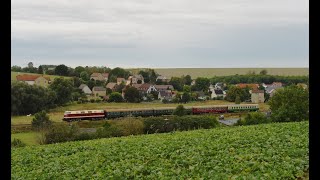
column 98, row 100
column 129, row 126
column 254, row 118
column 165, row 101
column 61, row 133
column 92, row 100
column 188, row 122
column 180, row 110
column 41, row 121
column 17, row 143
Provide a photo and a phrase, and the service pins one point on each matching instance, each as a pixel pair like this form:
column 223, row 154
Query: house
column 97, row 76
column 165, row 95
column 99, row 91
column 257, row 96
column 145, row 87
column 193, row 82
column 34, row 79
column 163, row 87
column 219, row 85
column 271, row 88
column 105, row 76
column 85, row 89
column 112, row 86
column 162, row 79
column 201, row 95
column 136, row 79
column 120, row 81
column 218, row 93
column 136, row 85
column 251, row 86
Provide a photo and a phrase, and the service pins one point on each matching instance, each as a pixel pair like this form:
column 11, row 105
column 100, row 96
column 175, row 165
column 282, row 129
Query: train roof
column 76, row 111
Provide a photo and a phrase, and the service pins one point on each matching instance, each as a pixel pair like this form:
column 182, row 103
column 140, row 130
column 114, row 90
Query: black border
column 5, row 122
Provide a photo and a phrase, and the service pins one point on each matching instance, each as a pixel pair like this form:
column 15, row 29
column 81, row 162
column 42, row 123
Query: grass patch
column 29, row 138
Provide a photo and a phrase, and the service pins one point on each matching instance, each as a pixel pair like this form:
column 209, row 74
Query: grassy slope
column 211, row 72
column 57, row 113
column 269, row 151
column 14, row 74
column 29, row 138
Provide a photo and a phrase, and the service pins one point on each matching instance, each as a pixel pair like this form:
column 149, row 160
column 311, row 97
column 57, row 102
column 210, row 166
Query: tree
column 63, row 88
column 119, row 72
column 177, row 83
column 61, row 70
column 40, row 70
column 263, row 72
column 186, row 88
column 30, row 65
column 187, row 80
column 185, row 97
column 290, row 104
column 91, row 83
column 131, row 94
column 235, row 91
column 78, row 70
column 77, row 82
column 16, row 68
column 202, row 84
column 115, row 97
column 254, row 118
column 237, row 100
column 41, row 121
column 84, row 76
column 179, row 111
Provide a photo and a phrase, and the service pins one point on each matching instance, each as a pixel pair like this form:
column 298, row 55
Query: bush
column 165, row 101
column 129, row 126
column 180, row 110
column 61, row 133
column 98, row 100
column 17, row 143
column 41, row 121
column 182, row 123
column 254, row 118
column 92, row 100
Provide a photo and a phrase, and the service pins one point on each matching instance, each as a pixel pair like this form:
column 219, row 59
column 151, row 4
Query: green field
column 265, row 151
column 29, row 138
column 211, row 72
column 57, row 114
column 14, row 74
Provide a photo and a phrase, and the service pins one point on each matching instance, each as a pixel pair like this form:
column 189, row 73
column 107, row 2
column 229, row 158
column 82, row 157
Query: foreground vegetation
column 269, row 151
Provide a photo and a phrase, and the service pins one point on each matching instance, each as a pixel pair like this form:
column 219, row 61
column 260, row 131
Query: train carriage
column 209, row 109
column 243, row 107
column 84, row 114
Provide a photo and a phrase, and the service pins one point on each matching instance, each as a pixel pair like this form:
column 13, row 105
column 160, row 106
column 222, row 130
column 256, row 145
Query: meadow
column 265, row 151
column 211, row 72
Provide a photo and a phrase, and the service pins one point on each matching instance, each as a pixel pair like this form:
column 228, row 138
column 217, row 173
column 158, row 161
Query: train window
column 89, row 111
column 82, row 112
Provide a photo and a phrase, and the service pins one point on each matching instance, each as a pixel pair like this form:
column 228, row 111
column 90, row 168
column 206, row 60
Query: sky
column 161, row 33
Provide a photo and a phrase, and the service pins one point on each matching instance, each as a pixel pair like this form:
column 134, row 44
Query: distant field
column 29, row 138
column 56, row 114
column 14, row 74
column 211, row 72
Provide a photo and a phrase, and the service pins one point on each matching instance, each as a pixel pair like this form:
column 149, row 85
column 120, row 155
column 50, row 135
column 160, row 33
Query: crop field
column 265, row 151
column 211, row 72
column 14, row 75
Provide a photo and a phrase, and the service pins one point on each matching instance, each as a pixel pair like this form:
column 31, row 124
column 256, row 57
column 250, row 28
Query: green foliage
column 115, row 97
column 78, row 70
column 202, row 84
column 149, row 75
column 265, row 151
column 185, row 97
column 290, row 104
column 84, row 76
column 234, row 91
column 17, row 143
column 186, row 88
column 26, row 99
column 119, row 72
column 237, row 100
column 16, row 68
column 177, row 83
column 182, row 123
column 40, row 70
column 41, row 121
column 187, row 80
column 263, row 72
column 61, row 70
column 180, row 110
column 61, row 133
column 131, row 94
column 254, row 118
column 63, row 89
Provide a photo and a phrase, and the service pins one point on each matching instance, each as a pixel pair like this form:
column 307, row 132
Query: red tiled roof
column 257, row 91
column 252, row 86
column 28, row 77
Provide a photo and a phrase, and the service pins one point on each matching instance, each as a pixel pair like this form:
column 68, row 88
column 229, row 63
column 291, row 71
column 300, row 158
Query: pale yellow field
column 211, row 72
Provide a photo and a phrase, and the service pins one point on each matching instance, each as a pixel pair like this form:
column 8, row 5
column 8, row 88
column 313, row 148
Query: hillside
column 266, row 151
column 211, row 72
column 14, row 75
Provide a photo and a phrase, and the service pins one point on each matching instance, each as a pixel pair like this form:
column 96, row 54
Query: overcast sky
column 161, row 33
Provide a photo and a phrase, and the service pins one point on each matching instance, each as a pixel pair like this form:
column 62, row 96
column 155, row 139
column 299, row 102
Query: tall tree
column 63, row 88
column 84, row 76
column 290, row 104
column 40, row 70
column 78, row 70
column 187, row 80
column 61, row 70
column 131, row 94
column 202, row 84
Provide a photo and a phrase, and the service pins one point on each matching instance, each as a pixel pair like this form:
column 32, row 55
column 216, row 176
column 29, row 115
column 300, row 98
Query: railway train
column 110, row 114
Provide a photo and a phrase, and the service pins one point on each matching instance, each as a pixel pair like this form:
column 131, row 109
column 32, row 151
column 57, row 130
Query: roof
column 98, row 88
column 136, row 85
column 95, row 74
column 82, row 86
column 111, row 85
column 165, row 94
column 145, row 86
column 252, row 86
column 120, row 79
column 218, row 91
column 161, row 77
column 269, row 89
column 105, row 75
column 29, row 77
column 163, row 87
column 257, row 91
